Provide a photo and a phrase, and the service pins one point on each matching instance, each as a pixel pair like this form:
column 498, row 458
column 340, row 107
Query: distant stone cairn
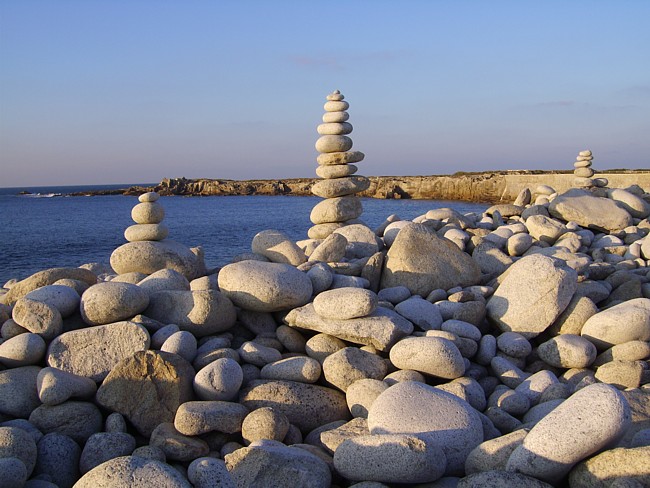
column 584, row 174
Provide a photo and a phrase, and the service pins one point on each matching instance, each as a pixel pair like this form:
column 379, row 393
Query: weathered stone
column 219, row 380
column 277, row 247
column 345, row 303
column 150, row 256
column 18, row 393
column 601, row 470
column 586, row 210
column 340, row 187
column 55, row 386
column 146, row 232
column 38, row 317
column 64, row 298
column 104, row 446
column 208, row 472
column 47, row 277
column 636, row 206
column 330, row 143
column 362, row 241
column 182, row 343
column 421, row 312
column 264, row 423
column 22, row 350
column 431, row 355
column 625, row 322
column 17, row 443
column 108, row 302
column 300, row 368
column 567, row 351
column 58, row 460
column 196, row 418
column 77, row 420
column 164, row 279
column 339, row 209
column 350, row 364
column 176, row 446
column 544, row 228
column 336, row 171
column 148, row 213
column 163, row 382
column 500, row 479
column 493, row 454
column 335, row 158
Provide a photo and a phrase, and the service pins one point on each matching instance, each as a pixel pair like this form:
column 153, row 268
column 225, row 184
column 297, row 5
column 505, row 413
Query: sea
column 46, row 229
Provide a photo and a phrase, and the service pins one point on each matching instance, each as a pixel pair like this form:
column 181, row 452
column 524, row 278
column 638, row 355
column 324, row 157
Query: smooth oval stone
column 330, row 117
column 55, row 386
column 584, row 172
column 434, row 415
column 56, row 418
column 334, row 128
column 18, row 394
column 306, row 406
column 421, row 312
column 176, row 446
column 336, row 106
column 604, row 328
column 64, row 298
column 636, row 206
column 94, row 351
column 277, row 247
column 494, row 453
column 182, row 343
column 331, row 250
column 338, row 209
column 345, row 303
column 150, row 196
column 336, row 171
column 148, row 213
column 620, row 467
column 265, row 287
column 330, row 144
column 321, row 231
column 590, row 211
column 208, row 472
column 146, row 232
column 17, row 443
column 393, row 458
column 109, row 302
column 339, row 187
column 264, row 423
column 122, row 471
column 586, row 422
column 165, row 279
column 431, row 355
column 219, row 380
column 335, row 95
column 104, row 446
column 38, row 317
column 350, row 364
column 567, row 351
column 336, row 158
column 22, row 350
column 47, row 277
column 500, row 479
column 301, row 368
column 14, row 473
column 196, row 418
column 361, row 394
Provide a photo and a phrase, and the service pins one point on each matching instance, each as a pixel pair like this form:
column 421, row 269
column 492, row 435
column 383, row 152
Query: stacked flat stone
column 584, row 174
column 338, row 186
column 148, row 216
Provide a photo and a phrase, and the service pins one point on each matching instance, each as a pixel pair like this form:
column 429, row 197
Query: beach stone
column 332, row 249
column 345, row 303
column 509, row 374
column 338, row 209
column 163, row 382
column 164, row 279
column 514, row 344
column 393, row 458
column 509, row 401
column 102, row 447
column 150, row 196
column 109, row 302
column 392, row 229
column 545, row 228
column 344, row 281
column 300, row 368
column 15, row 443
column 182, row 343
column 47, row 277
column 277, row 247
column 431, row 355
column 621, row 374
column 161, row 335
column 395, row 294
column 350, row 364
column 340, row 187
column 336, row 158
column 636, row 206
column 77, row 420
column 58, row 460
column 423, row 262
column 604, row 328
column 535, row 386
column 490, row 259
column 176, row 446
column 336, row 171
column 14, row 473
column 321, row 277
column 334, row 128
column 420, row 312
column 18, row 393
column 362, row 393
column 64, row 298
column 219, row 380
column 567, row 351
column 381, row 329
column 493, row 454
column 594, row 416
column 601, row 470
column 499, row 479
column 438, row 417
column 541, row 410
column 532, row 295
column 209, row 472
column 321, row 231
column 628, row 351
column 320, row 346
column 264, row 423
column 148, row 213
column 306, row 406
column 56, row 386
column 22, row 350
column 589, row 211
column 291, row 339
column 277, row 465
column 135, row 472
column 574, row 316
column 94, row 351
column 264, row 287
column 255, row 353
column 202, row 313
column 200, row 417
column 332, row 143
column 38, row 317
column 150, row 256
column 583, row 172
column 146, row 232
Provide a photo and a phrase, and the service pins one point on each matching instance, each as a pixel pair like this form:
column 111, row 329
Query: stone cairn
column 338, row 186
column 148, row 216
column 584, row 173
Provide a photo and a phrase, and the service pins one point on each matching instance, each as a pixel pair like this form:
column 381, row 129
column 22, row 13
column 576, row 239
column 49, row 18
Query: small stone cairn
column 148, row 216
column 338, row 187
column 584, row 173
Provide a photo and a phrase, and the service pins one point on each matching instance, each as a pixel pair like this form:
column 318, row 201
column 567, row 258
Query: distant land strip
column 488, row 187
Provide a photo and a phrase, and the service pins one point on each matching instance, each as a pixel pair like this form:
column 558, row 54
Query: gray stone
column 622, row 374
column 277, row 247
column 494, row 453
column 47, row 277
column 18, row 444
column 18, row 393
column 94, row 351
column 258, row 354
column 333, row 143
column 208, row 472
column 500, row 479
column 55, row 386
column 362, row 241
column 339, row 157
column 534, row 386
column 350, row 364
column 196, row 418
column 571, row 321
column 423, row 262
column 103, row 446
column 340, row 187
column 332, row 249
column 604, row 469
column 636, row 206
column 22, row 350
column 345, row 303
column 588, row 211
column 164, row 279
column 219, row 380
column 264, row 423
column 77, row 420
column 148, row 213
column 133, row 471
column 420, row 312
column 336, row 171
column 14, row 473
column 146, row 232
column 108, row 302
column 176, row 446
column 514, row 344
column 38, row 317
column 265, row 287
column 395, row 294
column 545, row 228
column 203, row 312
column 321, row 276
column 300, row 368
column 628, row 351
column 604, row 328
column 64, row 298
column 431, row 355
column 338, row 209
column 361, row 394
column 535, row 290
column 161, row 335
column 322, row 345
column 182, row 343
column 567, row 351
column 58, row 460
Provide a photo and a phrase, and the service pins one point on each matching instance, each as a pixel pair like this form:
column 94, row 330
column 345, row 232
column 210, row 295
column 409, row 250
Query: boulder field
column 503, row 349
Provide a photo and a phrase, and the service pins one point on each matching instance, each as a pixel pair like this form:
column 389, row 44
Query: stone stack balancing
column 338, row 186
column 148, row 216
column 584, row 174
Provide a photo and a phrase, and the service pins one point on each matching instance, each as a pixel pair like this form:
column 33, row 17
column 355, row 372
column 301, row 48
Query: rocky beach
column 508, row 348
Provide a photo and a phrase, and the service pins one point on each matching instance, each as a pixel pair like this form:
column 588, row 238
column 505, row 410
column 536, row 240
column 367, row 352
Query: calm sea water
column 40, row 232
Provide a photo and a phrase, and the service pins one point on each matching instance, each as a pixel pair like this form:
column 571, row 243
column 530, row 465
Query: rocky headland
column 504, row 349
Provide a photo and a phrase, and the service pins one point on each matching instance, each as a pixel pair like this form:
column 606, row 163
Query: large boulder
column 587, row 210
column 423, row 262
column 48, row 277
column 133, row 471
column 150, row 256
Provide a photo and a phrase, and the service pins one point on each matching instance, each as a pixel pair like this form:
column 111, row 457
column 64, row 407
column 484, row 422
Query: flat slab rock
column 381, row 329
column 589, row 211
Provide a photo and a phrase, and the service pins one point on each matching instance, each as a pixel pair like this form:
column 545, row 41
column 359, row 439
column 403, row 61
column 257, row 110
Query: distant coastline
column 488, row 187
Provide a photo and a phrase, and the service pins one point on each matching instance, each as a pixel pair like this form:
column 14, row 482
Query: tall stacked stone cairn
column 584, row 174
column 338, row 187
column 504, row 348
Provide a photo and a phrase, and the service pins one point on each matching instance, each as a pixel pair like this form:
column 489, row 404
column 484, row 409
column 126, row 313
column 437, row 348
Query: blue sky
column 121, row 91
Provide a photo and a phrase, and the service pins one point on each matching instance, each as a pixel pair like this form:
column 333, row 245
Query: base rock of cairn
column 508, row 348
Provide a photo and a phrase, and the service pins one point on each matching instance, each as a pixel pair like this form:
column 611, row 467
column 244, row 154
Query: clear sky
column 126, row 91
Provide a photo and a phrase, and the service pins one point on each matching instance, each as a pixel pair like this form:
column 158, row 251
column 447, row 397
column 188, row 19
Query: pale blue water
column 40, row 233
